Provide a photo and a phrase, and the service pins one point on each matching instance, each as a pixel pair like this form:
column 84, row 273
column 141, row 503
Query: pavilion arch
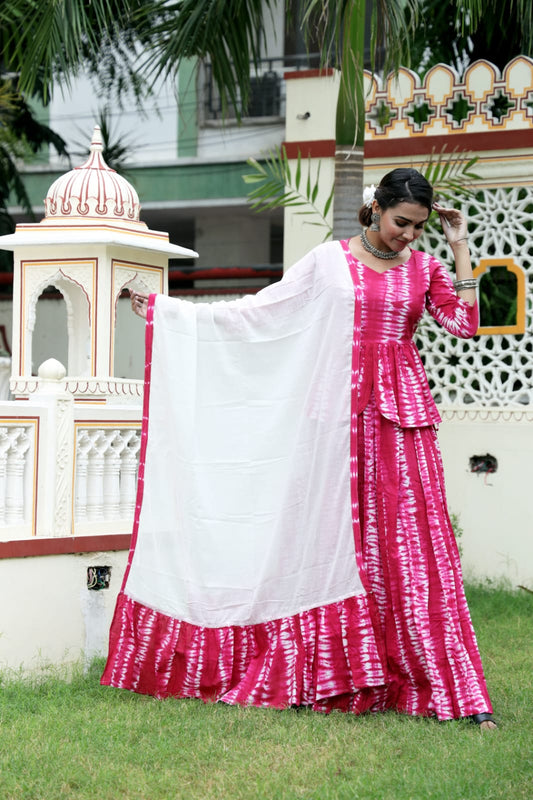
column 80, row 338
column 49, row 336
column 128, row 362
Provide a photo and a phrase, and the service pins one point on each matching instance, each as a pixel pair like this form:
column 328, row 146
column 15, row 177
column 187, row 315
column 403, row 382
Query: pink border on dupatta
column 325, row 658
column 354, row 475
column 148, row 344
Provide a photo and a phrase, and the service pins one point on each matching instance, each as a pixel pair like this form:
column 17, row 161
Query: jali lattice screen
column 496, row 369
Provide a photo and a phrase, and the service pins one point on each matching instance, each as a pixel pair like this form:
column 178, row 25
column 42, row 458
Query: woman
column 292, row 544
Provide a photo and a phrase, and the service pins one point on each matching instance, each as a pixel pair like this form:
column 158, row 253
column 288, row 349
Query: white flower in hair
column 368, row 195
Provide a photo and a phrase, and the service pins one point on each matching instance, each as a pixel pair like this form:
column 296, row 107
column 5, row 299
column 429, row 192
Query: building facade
column 190, row 184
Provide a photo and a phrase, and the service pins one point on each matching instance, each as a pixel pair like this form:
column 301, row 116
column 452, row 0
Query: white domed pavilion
column 90, row 245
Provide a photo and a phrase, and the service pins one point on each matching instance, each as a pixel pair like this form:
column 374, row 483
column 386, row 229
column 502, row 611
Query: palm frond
column 44, row 40
column 471, row 12
column 228, row 35
column 339, row 29
column 12, row 150
column 22, row 136
column 451, row 173
column 277, row 187
column 393, row 23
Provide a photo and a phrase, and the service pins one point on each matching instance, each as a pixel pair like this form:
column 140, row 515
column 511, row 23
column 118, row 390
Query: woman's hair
column 402, row 185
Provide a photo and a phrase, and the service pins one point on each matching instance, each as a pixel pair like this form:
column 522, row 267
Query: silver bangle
column 468, row 283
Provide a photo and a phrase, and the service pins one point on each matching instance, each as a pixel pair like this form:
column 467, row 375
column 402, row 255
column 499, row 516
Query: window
column 502, row 296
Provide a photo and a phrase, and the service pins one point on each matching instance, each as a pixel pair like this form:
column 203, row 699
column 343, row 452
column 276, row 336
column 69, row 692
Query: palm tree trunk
column 350, row 126
column 348, row 191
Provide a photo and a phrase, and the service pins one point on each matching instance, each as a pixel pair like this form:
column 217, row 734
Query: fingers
column 445, row 213
column 448, row 213
column 451, row 218
column 139, row 303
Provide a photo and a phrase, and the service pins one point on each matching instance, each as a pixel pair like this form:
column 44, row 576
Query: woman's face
column 400, row 225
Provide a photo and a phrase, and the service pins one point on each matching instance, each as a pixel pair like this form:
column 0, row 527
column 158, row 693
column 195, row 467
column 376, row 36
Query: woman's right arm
column 455, row 313
column 139, row 303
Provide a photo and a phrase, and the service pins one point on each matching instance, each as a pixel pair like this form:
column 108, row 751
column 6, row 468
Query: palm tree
column 40, row 43
column 46, row 42
column 49, row 40
column 497, row 36
column 392, row 25
column 229, row 35
column 22, row 136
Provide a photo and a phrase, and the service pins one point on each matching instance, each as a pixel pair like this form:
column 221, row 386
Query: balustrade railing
column 105, row 464
column 106, row 473
column 16, row 471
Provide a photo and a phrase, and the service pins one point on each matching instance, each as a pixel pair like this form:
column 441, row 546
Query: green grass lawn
column 76, row 739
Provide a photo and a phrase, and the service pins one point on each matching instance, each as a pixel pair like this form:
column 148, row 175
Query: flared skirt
column 407, row 644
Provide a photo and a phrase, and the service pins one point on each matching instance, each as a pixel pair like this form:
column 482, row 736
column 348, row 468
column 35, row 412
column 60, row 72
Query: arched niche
column 128, row 345
column 502, row 296
column 50, row 329
column 73, row 316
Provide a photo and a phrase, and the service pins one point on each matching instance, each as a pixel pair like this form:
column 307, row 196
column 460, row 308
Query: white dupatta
column 246, row 512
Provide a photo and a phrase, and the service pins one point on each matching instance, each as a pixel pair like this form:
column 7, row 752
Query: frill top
column 393, row 303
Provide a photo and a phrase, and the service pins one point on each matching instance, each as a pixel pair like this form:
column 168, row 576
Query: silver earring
column 376, row 219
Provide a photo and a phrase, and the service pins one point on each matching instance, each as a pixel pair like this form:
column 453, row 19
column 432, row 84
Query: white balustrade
column 114, row 446
column 15, row 463
column 95, row 476
column 83, row 445
column 106, row 475
column 128, row 474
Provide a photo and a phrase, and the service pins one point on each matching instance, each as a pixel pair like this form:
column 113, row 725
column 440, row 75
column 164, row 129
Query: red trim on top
column 354, row 461
column 63, row 545
column 415, row 145
column 325, row 72
column 148, row 343
column 317, row 148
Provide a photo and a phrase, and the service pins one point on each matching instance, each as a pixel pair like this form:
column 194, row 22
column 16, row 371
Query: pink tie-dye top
column 393, row 303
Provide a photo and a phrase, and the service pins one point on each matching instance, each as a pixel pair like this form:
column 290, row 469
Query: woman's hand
column 456, row 232
column 453, row 224
column 139, row 303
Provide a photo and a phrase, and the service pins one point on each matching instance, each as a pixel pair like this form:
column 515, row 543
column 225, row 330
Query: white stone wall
column 49, row 616
column 494, row 509
column 311, row 114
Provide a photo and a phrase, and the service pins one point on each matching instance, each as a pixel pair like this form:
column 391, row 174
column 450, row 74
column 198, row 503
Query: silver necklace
column 374, row 250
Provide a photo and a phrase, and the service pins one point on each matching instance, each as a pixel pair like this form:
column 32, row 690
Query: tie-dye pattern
column 409, row 550
column 389, row 362
column 408, row 644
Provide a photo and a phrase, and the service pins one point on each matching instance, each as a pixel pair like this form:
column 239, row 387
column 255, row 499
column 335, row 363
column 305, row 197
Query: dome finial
column 96, row 142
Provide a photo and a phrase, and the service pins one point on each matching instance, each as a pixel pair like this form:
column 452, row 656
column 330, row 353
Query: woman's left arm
column 455, row 229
